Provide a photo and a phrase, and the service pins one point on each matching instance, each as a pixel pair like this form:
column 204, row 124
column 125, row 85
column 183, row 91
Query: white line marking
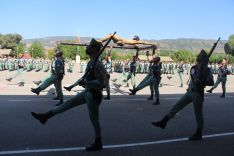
column 19, row 100
column 109, row 146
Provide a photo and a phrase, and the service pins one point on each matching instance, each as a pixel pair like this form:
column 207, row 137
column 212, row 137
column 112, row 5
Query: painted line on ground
column 19, row 100
column 108, row 146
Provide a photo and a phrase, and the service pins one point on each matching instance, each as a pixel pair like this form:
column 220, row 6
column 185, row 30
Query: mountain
column 166, row 44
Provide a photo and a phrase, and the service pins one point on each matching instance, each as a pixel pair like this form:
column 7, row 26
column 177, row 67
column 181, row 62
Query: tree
column 51, row 53
column 183, row 55
column 36, row 50
column 10, row 41
column 21, row 49
column 229, row 46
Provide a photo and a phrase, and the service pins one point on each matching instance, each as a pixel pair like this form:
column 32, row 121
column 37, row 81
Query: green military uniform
column 222, row 78
column 180, row 70
column 56, row 76
column 92, row 95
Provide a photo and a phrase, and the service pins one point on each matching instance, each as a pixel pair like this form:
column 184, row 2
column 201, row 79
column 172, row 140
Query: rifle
column 213, row 48
column 91, row 67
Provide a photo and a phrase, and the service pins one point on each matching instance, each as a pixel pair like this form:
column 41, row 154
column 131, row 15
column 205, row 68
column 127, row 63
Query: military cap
column 93, row 44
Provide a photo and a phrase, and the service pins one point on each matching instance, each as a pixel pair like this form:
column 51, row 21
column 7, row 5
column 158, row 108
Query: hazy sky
column 149, row 19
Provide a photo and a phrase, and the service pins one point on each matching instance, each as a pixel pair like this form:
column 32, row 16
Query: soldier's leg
column 107, row 85
column 21, row 77
column 93, row 107
column 58, row 87
column 156, row 90
column 146, row 82
column 224, row 80
column 133, row 81
column 215, row 85
column 198, row 100
column 184, row 101
column 181, row 80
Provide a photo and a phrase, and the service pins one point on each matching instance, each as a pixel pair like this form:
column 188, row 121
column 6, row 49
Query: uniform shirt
column 57, row 67
column 192, row 85
column 156, row 70
column 223, row 71
column 133, row 67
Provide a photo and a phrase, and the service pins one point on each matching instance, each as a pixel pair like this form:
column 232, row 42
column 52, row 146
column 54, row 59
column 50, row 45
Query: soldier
column 108, row 67
column 195, row 94
column 56, row 77
column 20, row 68
column 153, row 79
column 180, row 71
column 92, row 95
column 222, row 77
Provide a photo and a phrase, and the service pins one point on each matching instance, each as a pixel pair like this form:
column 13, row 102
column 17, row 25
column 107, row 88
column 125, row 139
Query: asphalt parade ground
column 126, row 123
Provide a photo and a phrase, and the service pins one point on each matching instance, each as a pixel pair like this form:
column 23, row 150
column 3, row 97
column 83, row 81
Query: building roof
column 5, row 51
column 163, row 58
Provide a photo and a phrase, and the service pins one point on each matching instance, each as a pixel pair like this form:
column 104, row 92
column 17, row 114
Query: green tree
column 229, row 46
column 36, row 50
column 51, row 53
column 183, row 55
column 21, row 48
column 10, row 41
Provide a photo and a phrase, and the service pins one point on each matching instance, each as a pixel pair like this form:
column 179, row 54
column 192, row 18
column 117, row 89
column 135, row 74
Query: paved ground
column 126, row 122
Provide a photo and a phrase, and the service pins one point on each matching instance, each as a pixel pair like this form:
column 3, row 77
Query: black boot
column 36, row 90
column 9, row 79
column 42, row 117
column 162, row 123
column 150, row 98
column 97, row 145
column 181, row 85
column 68, row 88
column 197, row 135
column 21, row 84
column 37, row 82
column 56, row 98
column 107, row 97
column 133, row 92
column 60, row 102
column 223, row 95
column 209, row 91
column 156, row 102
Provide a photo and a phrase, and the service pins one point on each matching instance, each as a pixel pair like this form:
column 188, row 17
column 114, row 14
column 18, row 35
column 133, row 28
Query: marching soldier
column 180, row 70
column 153, row 79
column 222, row 77
column 195, row 94
column 92, row 95
column 108, row 67
column 56, row 77
column 20, row 69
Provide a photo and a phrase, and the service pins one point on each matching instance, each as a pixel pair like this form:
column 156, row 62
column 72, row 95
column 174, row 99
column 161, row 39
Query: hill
column 166, row 44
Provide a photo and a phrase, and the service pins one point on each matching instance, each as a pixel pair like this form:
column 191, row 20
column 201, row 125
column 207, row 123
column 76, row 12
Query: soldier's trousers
column 79, row 99
column 132, row 77
column 197, row 99
column 149, row 80
column 181, row 80
column 57, row 84
column 107, row 85
column 19, row 73
column 219, row 80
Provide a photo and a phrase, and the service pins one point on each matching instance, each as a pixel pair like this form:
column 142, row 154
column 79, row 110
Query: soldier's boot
column 133, row 91
column 42, row 117
column 197, row 135
column 209, row 91
column 56, row 98
column 68, row 88
column 9, row 79
column 97, row 145
column 181, row 85
column 162, row 123
column 37, row 82
column 107, row 97
column 21, row 84
column 60, row 102
column 156, row 102
column 150, row 98
column 36, row 90
column 223, row 95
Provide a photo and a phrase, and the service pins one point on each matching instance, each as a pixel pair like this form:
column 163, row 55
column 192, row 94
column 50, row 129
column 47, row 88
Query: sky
column 149, row 19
